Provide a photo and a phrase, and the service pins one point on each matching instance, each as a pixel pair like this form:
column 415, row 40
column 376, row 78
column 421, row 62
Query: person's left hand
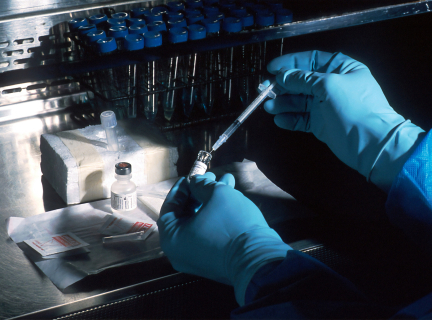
column 209, row 229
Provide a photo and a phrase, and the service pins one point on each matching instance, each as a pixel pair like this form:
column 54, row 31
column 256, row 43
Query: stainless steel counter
column 25, row 193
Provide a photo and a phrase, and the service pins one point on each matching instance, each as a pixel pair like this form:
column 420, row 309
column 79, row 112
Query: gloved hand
column 209, row 229
column 337, row 99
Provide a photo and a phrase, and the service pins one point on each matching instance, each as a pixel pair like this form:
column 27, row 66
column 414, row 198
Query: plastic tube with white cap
column 109, row 123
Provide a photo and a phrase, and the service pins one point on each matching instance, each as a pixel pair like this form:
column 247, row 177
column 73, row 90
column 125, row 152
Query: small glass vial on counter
column 200, row 165
column 123, row 191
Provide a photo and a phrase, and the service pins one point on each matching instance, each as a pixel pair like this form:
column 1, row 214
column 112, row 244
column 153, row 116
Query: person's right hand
column 337, row 99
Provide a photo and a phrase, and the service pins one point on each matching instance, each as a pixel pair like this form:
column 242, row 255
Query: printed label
column 121, row 224
column 124, row 202
column 56, row 243
column 198, row 168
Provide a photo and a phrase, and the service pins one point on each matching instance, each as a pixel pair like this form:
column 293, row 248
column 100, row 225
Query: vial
column 200, row 165
column 123, row 191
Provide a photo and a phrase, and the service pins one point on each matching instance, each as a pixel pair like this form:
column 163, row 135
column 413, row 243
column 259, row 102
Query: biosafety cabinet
column 188, row 91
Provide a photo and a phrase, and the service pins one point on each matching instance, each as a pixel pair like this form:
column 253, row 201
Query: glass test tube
column 171, row 74
column 149, row 77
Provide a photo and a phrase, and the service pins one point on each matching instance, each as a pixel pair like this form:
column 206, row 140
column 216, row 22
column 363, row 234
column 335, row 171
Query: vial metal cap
column 123, row 168
column 108, row 119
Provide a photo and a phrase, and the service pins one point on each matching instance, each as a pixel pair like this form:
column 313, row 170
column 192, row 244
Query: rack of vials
column 180, row 88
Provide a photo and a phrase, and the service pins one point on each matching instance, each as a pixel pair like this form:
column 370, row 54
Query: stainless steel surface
column 22, row 195
column 25, row 193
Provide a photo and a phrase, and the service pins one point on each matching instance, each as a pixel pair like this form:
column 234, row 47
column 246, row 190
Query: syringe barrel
column 255, row 103
column 232, row 128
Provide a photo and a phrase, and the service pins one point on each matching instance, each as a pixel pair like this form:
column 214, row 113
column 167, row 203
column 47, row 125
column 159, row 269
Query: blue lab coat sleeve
column 300, row 287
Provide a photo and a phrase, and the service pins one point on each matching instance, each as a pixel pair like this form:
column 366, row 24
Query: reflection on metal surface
column 40, row 106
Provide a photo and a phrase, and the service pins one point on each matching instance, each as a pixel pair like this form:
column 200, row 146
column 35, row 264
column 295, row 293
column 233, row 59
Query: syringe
column 270, row 91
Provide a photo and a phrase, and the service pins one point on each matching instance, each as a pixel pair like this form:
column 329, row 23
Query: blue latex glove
column 337, row 99
column 209, row 229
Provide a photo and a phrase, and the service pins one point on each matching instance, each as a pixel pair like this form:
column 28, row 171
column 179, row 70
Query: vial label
column 124, row 202
column 197, row 168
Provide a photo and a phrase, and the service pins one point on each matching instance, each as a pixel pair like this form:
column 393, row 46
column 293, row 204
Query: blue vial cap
column 120, row 16
column 175, row 15
column 173, row 23
column 95, row 36
column 227, row 6
column 247, row 20
column 118, row 32
column 159, row 9
column 152, row 17
column 265, row 19
column 211, row 25
column 274, row 5
column 247, row 4
column 116, row 23
column 284, row 16
column 138, row 29
column 175, row 6
column 98, row 18
column 194, row 18
column 238, row 11
column 210, row 10
column 220, row 16
column 209, row 3
column 139, row 12
column 106, row 45
column 133, row 42
column 196, row 32
column 132, row 21
column 76, row 23
column 178, row 34
column 157, row 26
column 152, row 39
column 83, row 30
column 189, row 11
column 232, row 24
column 194, row 3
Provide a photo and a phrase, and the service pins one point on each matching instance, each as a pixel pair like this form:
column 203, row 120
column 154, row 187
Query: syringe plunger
column 264, row 93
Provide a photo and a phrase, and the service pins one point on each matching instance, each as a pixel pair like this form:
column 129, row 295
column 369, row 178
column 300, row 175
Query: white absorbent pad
column 79, row 166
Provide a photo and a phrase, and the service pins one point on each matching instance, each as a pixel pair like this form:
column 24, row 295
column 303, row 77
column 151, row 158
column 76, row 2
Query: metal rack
column 35, row 46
